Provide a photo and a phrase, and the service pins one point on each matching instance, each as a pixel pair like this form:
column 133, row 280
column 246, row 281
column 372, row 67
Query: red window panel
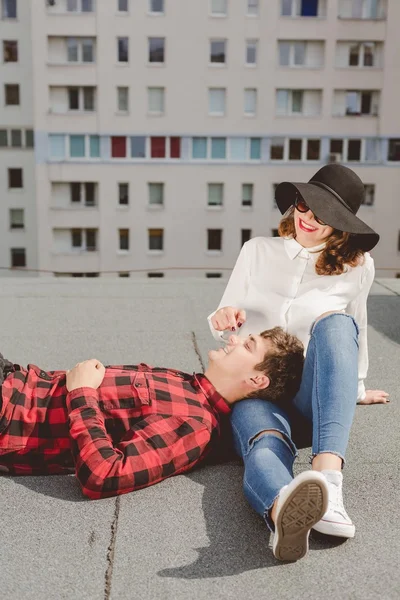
column 175, row 147
column 118, row 147
column 158, row 147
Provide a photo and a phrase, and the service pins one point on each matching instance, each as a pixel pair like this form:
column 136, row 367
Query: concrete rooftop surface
column 192, row 536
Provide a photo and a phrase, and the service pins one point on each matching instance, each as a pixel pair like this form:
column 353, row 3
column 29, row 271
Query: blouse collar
column 293, row 248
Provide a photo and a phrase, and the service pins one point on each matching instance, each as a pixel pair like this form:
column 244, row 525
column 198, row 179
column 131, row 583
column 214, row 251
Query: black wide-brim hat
column 334, row 194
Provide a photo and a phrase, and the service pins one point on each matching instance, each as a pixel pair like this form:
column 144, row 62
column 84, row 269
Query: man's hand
column 375, row 397
column 89, row 373
column 228, row 318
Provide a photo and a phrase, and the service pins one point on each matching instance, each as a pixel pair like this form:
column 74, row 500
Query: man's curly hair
column 340, row 249
column 283, row 364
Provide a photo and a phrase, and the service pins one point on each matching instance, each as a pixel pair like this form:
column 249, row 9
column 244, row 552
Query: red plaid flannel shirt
column 141, row 425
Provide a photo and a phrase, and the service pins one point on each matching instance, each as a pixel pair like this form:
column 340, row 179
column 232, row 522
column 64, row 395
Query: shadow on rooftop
column 384, row 316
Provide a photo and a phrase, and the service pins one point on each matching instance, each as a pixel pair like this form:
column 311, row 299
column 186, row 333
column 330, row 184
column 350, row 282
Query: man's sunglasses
column 302, row 207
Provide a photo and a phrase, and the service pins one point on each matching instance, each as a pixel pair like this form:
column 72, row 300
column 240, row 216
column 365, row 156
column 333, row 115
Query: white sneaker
column 301, row 504
column 336, row 521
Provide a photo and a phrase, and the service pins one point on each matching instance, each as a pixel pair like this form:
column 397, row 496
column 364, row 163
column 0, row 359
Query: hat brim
column 327, row 208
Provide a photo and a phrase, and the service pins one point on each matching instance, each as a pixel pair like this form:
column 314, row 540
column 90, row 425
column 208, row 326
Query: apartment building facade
column 161, row 127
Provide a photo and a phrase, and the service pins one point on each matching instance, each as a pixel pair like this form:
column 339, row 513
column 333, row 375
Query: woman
column 313, row 281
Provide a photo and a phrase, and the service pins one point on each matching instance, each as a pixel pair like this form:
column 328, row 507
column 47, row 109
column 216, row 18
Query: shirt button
column 43, row 374
column 138, row 384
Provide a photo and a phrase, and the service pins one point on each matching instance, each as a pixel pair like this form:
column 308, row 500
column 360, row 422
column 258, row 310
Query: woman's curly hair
column 340, row 249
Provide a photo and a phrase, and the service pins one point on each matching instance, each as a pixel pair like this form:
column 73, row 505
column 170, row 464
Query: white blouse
column 275, row 282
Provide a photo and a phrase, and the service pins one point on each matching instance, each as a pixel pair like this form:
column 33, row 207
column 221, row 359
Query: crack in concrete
column 196, row 349
column 111, row 550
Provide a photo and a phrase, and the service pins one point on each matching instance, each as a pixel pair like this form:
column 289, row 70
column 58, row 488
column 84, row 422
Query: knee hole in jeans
column 270, row 432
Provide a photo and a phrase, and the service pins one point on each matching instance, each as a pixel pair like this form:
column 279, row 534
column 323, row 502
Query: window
column 275, row 232
column 175, row 147
column 354, row 150
column 372, row 150
column 336, row 150
column 255, row 148
column 29, row 138
column 77, row 146
column 156, row 239
column 362, row 9
column 138, row 147
column 9, row 10
column 218, row 148
column 83, row 191
column 80, row 50
column 247, row 194
column 238, row 148
column 219, row 7
column 18, row 257
column 94, row 146
column 199, row 147
column 156, row 50
column 213, row 275
column 156, row 100
column 369, row 197
column 214, row 239
column 123, row 99
column 15, row 179
column 156, row 6
column 80, row 6
column 303, row 8
column 313, row 149
column 124, row 239
column 123, row 194
column 158, row 147
column 81, row 98
column 216, row 101
column 124, row 274
column 16, row 138
column 362, row 55
column 215, row 194
column 292, row 54
column 17, row 218
column 10, row 51
column 3, row 138
column 246, row 235
column 123, row 49
column 118, row 146
column 295, row 149
column 251, row 52
column 394, row 150
column 360, row 103
column 298, row 102
column 218, row 51
column 155, row 275
column 277, row 148
column 57, row 146
column 250, row 102
column 156, row 194
column 11, row 94
column 123, row 5
column 84, row 239
column 252, row 7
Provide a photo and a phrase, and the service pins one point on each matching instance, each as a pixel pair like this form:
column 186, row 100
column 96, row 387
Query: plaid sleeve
column 156, row 448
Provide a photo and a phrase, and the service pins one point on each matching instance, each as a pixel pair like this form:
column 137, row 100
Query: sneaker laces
column 336, row 499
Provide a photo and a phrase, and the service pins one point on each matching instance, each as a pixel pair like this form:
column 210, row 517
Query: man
column 122, row 428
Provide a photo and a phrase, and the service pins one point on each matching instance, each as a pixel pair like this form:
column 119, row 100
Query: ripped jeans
column 325, row 404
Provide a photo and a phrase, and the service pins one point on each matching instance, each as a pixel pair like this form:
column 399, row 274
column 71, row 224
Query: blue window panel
column 77, row 146
column 138, row 146
column 95, row 146
column 199, row 147
column 57, row 146
column 255, row 148
column 238, row 148
column 218, row 148
column 309, row 8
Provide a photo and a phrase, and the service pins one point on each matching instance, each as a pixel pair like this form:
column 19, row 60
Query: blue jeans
column 325, row 403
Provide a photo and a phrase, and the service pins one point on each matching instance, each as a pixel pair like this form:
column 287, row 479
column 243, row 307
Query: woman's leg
column 328, row 397
column 261, row 433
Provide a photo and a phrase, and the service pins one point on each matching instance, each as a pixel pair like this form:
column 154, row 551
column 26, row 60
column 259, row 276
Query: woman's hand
column 228, row 317
column 375, row 397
